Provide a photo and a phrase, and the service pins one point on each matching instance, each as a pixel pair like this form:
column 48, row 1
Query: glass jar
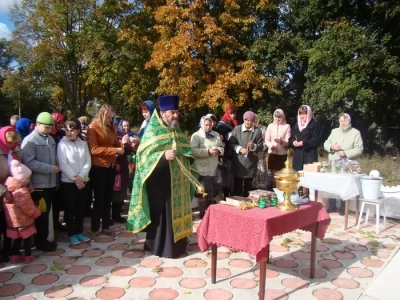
column 262, row 202
column 274, row 200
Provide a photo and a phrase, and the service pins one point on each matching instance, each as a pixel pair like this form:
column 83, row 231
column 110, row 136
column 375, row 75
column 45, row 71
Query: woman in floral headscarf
column 305, row 138
column 277, row 141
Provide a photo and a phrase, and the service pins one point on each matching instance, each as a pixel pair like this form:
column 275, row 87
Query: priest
column 162, row 193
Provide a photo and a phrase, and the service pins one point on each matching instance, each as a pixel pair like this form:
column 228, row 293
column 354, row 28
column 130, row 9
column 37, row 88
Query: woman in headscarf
column 225, row 127
column 147, row 109
column 23, row 127
column 9, row 150
column 343, row 142
column 260, row 181
column 277, row 141
column 129, row 141
column 305, row 138
column 206, row 146
column 57, row 133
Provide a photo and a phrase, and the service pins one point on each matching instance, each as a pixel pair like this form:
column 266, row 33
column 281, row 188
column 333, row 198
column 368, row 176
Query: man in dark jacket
column 245, row 141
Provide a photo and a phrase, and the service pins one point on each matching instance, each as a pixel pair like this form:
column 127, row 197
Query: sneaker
column 30, row 258
column 74, row 240
column 16, row 259
column 82, row 238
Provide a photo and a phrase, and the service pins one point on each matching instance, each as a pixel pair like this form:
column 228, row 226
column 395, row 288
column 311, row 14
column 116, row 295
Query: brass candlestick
column 287, row 180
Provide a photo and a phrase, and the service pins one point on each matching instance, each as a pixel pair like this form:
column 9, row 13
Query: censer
column 198, row 186
column 287, row 180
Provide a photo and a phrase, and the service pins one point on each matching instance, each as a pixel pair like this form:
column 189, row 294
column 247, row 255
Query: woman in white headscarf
column 277, row 141
column 206, row 145
column 343, row 142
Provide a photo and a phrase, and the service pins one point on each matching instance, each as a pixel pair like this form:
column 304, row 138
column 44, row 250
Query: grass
column 387, row 166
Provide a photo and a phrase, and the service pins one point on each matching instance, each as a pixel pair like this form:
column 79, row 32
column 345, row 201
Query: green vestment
column 156, row 140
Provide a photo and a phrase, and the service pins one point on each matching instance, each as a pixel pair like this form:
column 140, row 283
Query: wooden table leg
column 267, row 253
column 213, row 263
column 346, row 213
column 263, row 275
column 357, row 208
column 313, row 249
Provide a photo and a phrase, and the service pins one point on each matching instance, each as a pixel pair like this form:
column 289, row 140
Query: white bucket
column 371, row 188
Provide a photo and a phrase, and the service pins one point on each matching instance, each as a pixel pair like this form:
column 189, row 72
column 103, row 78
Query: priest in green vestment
column 162, row 193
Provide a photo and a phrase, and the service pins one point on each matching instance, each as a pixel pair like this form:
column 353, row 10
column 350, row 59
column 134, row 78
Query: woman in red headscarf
column 225, row 127
column 9, row 150
column 58, row 132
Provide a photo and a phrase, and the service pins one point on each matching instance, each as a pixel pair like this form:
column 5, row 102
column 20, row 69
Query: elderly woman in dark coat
column 305, row 138
column 225, row 127
column 129, row 142
column 246, row 141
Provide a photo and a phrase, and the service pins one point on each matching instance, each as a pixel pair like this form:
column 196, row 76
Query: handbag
column 117, row 183
column 220, row 173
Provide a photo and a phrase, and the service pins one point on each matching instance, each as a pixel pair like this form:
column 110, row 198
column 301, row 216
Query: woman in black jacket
column 225, row 127
column 305, row 138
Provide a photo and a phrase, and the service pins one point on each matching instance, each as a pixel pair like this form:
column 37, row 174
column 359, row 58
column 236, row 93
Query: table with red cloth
column 252, row 231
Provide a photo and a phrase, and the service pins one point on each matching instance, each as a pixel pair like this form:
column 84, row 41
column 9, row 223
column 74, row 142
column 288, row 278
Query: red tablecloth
column 252, row 230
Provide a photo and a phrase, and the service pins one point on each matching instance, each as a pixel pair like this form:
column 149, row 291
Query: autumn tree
column 48, row 41
column 202, row 52
column 122, row 39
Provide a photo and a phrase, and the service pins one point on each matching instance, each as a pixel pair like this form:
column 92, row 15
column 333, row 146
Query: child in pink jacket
column 21, row 213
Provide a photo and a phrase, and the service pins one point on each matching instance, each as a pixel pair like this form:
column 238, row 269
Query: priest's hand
column 170, row 154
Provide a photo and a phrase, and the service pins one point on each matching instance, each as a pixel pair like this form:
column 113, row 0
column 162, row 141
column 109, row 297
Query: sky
column 5, row 25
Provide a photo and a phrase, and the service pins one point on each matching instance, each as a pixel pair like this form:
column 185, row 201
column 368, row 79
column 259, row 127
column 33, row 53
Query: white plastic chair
column 377, row 203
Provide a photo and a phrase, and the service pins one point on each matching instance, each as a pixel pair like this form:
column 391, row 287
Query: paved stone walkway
column 118, row 268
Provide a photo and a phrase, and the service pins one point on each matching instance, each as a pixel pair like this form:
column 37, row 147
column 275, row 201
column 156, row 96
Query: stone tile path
column 118, row 268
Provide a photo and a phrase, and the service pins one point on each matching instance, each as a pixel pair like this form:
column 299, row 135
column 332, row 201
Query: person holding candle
column 343, row 142
column 305, row 138
column 246, row 141
column 206, row 145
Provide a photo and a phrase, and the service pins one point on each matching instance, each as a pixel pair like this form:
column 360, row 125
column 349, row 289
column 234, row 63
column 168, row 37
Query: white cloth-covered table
column 332, row 185
column 344, row 186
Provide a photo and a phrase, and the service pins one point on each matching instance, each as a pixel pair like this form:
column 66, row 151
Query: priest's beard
column 173, row 124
